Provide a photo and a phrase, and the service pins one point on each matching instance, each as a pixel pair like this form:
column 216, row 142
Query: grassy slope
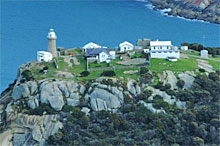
column 159, row 65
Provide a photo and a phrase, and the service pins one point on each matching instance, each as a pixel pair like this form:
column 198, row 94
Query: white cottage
column 204, row 53
column 90, row 45
column 160, row 45
column 184, row 48
column 163, row 49
column 43, row 56
column 101, row 55
column 126, row 46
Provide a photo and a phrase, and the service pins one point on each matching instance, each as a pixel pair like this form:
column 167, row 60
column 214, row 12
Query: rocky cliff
column 33, row 111
column 207, row 10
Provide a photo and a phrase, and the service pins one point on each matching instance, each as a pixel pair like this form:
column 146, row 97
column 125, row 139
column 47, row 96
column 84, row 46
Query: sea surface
column 25, row 24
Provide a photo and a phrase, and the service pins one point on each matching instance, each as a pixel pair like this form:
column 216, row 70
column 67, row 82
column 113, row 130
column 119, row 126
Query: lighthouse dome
column 51, row 34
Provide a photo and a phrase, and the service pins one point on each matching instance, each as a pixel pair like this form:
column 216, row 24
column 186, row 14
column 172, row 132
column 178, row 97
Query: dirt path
column 6, row 138
column 67, row 60
column 75, row 61
column 204, row 65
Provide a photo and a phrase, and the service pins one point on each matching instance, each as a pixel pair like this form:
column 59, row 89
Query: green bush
column 27, row 74
column 42, row 108
column 143, row 70
column 84, row 73
column 108, row 73
column 201, row 70
column 180, row 83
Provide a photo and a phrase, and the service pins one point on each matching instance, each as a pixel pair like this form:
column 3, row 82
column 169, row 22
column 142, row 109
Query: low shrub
column 180, row 83
column 84, row 73
column 201, row 70
column 108, row 73
column 27, row 74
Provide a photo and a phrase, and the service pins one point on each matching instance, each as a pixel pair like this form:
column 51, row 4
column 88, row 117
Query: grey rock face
column 131, row 88
column 150, row 107
column 171, row 78
column 62, row 86
column 73, row 102
column 166, row 97
column 187, row 79
column 138, row 89
column 20, row 91
column 85, row 110
column 82, row 89
column 118, row 93
column 74, row 95
column 18, row 139
column 50, row 93
column 32, row 85
column 101, row 99
column 33, row 102
column 72, row 86
column 98, row 104
column 181, row 104
column 56, row 102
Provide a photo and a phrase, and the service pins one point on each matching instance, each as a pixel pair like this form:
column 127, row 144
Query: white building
column 204, row 53
column 101, row 55
column 163, row 49
column 160, row 45
column 52, row 42
column 43, row 56
column 164, row 53
column 112, row 54
column 184, row 48
column 126, row 46
column 90, row 45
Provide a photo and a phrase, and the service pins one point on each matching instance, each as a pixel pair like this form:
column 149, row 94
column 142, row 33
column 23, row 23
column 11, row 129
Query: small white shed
column 126, row 46
column 184, row 48
column 112, row 54
column 204, row 53
column 43, row 56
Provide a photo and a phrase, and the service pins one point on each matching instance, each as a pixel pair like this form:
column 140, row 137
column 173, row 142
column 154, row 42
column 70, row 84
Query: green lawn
column 160, row 65
column 191, row 53
column 119, row 73
column 75, row 51
column 95, row 64
column 215, row 64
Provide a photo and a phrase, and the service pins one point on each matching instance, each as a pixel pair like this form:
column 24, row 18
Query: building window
column 167, row 47
column 160, row 47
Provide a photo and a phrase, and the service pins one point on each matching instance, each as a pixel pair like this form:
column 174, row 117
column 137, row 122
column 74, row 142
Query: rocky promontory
column 207, row 10
column 157, row 109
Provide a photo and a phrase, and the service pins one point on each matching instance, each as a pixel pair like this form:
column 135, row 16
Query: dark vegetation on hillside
column 199, row 47
column 135, row 125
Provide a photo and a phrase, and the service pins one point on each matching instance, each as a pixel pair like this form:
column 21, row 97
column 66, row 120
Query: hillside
column 156, row 107
column 207, row 10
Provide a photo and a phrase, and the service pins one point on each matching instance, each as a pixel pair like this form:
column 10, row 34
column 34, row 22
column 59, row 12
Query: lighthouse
column 52, row 43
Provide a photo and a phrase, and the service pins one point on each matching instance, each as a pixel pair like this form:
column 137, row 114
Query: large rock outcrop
column 50, row 93
column 101, row 99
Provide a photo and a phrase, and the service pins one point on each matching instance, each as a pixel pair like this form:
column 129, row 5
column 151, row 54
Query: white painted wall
column 160, row 47
column 165, row 54
column 43, row 56
column 126, row 47
column 103, row 57
column 184, row 48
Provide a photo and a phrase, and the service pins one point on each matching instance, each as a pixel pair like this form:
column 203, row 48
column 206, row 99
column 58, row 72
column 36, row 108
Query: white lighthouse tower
column 52, row 43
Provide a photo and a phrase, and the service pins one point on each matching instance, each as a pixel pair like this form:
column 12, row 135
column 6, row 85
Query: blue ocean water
column 25, row 24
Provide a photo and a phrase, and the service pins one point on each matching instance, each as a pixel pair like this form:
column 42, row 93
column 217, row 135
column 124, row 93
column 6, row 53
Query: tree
column 180, row 83
column 143, row 70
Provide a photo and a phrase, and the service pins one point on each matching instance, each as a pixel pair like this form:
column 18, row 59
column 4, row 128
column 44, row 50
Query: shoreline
column 169, row 11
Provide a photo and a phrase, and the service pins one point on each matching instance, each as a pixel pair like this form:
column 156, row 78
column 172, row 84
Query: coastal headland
column 206, row 10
